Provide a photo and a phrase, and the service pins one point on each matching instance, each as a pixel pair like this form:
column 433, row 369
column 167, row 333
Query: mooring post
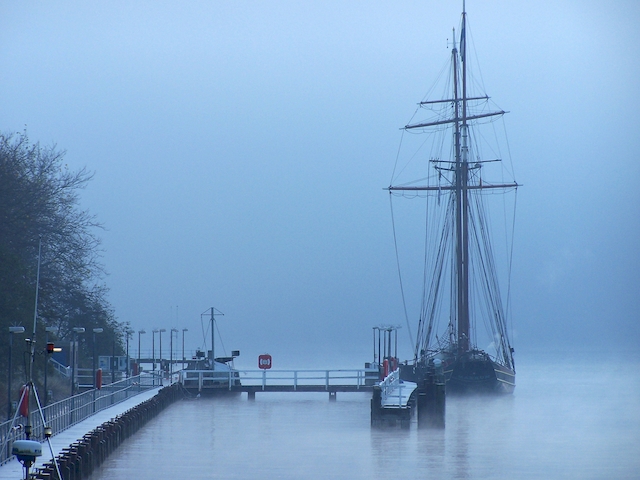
column 376, row 406
column 431, row 400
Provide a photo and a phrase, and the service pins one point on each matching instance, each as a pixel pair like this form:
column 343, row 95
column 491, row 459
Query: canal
column 561, row 423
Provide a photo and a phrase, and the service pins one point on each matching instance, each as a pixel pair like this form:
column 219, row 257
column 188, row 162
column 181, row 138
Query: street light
column 47, row 331
column 74, row 357
column 139, row 355
column 128, row 333
column 153, row 347
column 161, row 330
column 183, row 358
column 95, row 383
column 12, row 330
column 171, row 349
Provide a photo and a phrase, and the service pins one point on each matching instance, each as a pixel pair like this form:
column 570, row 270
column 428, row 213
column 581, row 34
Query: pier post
column 431, row 400
column 333, row 396
column 251, row 396
column 376, row 406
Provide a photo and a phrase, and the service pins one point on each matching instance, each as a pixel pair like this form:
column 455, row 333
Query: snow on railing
column 395, row 393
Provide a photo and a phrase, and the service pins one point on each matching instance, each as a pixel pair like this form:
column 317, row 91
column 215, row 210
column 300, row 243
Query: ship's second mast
column 462, row 204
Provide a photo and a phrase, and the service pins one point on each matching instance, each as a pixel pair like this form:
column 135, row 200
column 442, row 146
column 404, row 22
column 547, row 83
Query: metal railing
column 292, row 378
column 63, row 414
column 392, row 391
column 295, row 378
column 60, row 368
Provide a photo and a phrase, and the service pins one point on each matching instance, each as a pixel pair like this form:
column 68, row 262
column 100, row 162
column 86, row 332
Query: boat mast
column 458, row 196
column 462, row 213
column 212, row 312
column 459, row 187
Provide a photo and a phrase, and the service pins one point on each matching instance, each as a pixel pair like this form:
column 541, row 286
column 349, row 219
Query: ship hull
column 471, row 374
column 468, row 374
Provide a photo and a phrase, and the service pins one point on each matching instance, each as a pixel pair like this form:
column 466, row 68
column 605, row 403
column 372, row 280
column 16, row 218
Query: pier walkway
column 393, row 401
column 13, row 469
column 253, row 381
column 396, row 393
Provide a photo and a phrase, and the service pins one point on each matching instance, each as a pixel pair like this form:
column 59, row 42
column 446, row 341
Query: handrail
column 391, row 388
column 390, row 384
column 60, row 368
column 66, row 413
column 292, row 378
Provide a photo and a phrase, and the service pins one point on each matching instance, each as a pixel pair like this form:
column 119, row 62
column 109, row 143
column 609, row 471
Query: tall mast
column 463, row 217
column 458, row 195
column 459, row 186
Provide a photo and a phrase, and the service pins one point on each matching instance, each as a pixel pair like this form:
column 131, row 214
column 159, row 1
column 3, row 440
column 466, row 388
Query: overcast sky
column 240, row 152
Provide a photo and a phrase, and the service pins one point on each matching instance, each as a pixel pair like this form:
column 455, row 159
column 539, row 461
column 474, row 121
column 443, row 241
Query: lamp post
column 47, row 331
column 74, row 357
column 128, row 333
column 161, row 330
column 171, row 360
column 12, row 330
column 153, row 347
column 114, row 363
column 183, row 358
column 95, row 385
column 140, row 332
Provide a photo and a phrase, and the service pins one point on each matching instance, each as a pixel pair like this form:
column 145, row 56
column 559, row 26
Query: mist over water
column 574, row 420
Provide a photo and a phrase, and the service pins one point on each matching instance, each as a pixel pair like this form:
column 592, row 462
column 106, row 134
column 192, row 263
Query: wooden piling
column 431, row 401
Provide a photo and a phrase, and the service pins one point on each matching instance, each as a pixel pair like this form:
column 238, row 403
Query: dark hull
column 470, row 373
column 478, row 375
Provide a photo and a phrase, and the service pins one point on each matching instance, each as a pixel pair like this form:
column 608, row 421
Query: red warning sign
column 264, row 361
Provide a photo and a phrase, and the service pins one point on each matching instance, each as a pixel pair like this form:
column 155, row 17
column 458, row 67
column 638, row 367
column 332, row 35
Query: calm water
column 582, row 421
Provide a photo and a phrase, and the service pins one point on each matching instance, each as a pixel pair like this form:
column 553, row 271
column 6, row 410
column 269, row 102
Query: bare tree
column 39, row 198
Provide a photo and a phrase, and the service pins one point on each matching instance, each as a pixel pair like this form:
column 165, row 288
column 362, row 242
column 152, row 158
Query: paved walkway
column 13, row 469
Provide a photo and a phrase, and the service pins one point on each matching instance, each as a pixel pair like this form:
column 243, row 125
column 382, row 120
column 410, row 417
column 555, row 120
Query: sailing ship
column 461, row 290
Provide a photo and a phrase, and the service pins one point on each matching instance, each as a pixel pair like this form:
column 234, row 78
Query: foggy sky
column 240, row 152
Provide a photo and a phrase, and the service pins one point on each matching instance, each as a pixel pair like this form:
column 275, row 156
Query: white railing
column 208, row 379
column 60, row 368
column 395, row 393
column 295, row 378
column 279, row 378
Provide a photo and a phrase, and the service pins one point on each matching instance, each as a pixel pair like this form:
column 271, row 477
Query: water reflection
column 554, row 426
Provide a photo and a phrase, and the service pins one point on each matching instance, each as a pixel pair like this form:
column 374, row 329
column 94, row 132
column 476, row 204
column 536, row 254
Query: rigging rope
column 395, row 242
